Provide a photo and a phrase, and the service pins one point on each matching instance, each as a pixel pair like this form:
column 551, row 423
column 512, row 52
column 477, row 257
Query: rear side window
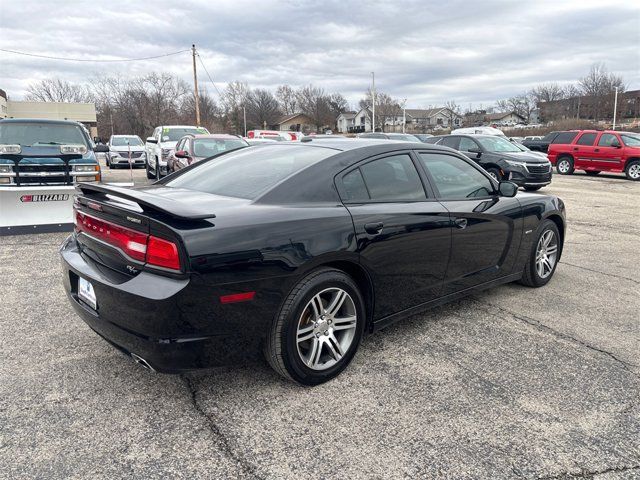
column 606, row 140
column 451, row 142
column 249, row 172
column 388, row 179
column 565, row 138
column 586, row 139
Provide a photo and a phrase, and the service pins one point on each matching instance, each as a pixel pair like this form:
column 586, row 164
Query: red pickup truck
column 595, row 151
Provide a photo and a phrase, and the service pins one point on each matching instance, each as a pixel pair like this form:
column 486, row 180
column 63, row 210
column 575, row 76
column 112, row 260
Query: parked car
column 123, row 147
column 41, row 162
column 299, row 249
column 533, row 137
column 193, row 148
column 422, row 136
column 502, row 159
column 478, row 131
column 597, row 151
column 162, row 143
column 404, row 137
column 272, row 134
column 542, row 144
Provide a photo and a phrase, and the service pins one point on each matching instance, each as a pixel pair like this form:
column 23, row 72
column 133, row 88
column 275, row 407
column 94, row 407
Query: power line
column 207, row 72
column 90, row 60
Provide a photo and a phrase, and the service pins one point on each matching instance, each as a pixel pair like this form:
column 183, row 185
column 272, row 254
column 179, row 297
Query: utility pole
column 244, row 116
column 615, row 109
column 195, row 85
column 373, row 101
column 404, row 114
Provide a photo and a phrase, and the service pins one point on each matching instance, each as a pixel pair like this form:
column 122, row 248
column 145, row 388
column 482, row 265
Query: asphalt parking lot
column 512, row 383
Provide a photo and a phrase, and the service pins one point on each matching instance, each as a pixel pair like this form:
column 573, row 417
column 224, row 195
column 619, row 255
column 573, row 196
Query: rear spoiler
column 149, row 201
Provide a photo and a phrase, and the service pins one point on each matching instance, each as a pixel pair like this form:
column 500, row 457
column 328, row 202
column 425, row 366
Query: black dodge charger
column 299, row 250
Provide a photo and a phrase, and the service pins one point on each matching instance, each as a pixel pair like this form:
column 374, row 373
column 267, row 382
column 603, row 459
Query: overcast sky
column 425, row 51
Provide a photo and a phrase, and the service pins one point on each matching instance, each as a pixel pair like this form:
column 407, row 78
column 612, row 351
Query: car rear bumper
column 158, row 319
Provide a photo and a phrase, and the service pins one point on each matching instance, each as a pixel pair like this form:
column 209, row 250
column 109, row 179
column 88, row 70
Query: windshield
column 41, row 134
column 497, row 144
column 630, row 139
column 249, row 172
column 122, row 141
column 175, row 134
column 207, row 147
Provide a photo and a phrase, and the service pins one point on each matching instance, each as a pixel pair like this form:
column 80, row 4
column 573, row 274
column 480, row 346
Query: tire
column 531, row 276
column 592, row 173
column 293, row 358
column 495, row 173
column 150, row 175
column 632, row 171
column 532, row 189
column 564, row 165
column 157, row 170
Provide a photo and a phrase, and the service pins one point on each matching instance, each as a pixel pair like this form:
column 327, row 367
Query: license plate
column 86, row 293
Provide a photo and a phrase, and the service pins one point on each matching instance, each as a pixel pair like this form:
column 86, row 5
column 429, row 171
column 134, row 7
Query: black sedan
column 299, row 249
column 502, row 159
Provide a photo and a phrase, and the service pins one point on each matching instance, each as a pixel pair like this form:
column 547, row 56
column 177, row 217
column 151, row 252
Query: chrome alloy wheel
column 326, row 328
column 634, row 171
column 546, row 253
column 564, row 165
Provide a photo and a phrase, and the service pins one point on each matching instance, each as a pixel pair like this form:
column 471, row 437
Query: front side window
column 467, row 144
column 606, row 139
column 455, row 178
column 587, row 139
column 388, row 179
column 249, row 172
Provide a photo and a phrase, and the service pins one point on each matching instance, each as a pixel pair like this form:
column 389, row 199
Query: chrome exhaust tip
column 142, row 362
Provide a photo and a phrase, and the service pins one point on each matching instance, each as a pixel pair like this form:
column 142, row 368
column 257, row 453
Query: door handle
column 460, row 222
column 373, row 228
column 575, row 149
column 596, row 149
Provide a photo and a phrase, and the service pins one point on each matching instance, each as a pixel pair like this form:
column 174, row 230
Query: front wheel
column 633, row 170
column 495, row 174
column 150, row 175
column 544, row 256
column 319, row 328
column 565, row 165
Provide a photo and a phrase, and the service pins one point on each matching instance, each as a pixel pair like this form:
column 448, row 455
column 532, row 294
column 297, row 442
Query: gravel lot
column 513, row 383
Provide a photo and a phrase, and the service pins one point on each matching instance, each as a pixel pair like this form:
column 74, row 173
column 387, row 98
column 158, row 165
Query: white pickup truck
column 162, row 142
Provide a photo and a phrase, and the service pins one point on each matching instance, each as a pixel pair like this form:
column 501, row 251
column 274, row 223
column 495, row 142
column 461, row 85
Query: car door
column 606, row 156
column 583, row 151
column 403, row 234
column 486, row 228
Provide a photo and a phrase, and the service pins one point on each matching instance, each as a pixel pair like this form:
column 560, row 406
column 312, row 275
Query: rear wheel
column 318, row 329
column 565, row 165
column 592, row 173
column 544, row 256
column 633, row 170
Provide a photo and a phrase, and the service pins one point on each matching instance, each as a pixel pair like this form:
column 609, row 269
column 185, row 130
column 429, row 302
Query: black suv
column 502, row 159
column 542, row 145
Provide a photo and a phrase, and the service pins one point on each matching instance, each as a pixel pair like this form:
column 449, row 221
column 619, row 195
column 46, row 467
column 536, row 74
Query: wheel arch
column 557, row 219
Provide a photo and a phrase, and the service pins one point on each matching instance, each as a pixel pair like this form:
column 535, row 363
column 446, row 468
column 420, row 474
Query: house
column 423, row 120
column 296, row 122
column 504, row 118
column 345, row 122
column 362, row 121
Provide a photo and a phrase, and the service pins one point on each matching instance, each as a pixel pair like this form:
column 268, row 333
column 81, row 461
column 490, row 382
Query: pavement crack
column 601, row 272
column 583, row 473
column 564, row 336
column 249, row 470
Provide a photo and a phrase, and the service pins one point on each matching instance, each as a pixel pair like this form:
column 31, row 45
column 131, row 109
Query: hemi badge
column 134, row 220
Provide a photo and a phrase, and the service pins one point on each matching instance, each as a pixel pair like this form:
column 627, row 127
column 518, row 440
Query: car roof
column 214, row 135
column 38, row 120
column 350, row 144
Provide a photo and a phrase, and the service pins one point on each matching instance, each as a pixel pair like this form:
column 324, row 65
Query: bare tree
column 287, row 99
column 387, row 108
column 262, row 108
column 600, row 85
column 234, row 99
column 452, row 111
column 314, row 103
column 502, row 105
column 547, row 92
column 57, row 90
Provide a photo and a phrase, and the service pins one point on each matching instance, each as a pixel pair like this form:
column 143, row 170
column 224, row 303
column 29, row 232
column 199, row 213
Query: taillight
column 162, row 253
column 137, row 245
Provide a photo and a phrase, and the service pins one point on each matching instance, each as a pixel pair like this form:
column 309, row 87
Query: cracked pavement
column 509, row 383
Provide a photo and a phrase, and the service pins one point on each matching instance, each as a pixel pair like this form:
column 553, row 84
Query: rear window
column 249, row 172
column 565, row 138
column 587, row 139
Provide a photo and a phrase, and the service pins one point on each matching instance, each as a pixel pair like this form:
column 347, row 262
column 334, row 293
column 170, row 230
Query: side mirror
column 507, row 189
column 101, row 148
column 151, row 140
column 615, row 143
column 181, row 154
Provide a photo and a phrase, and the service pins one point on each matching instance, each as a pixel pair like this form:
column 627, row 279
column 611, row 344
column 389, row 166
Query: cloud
column 427, row 52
